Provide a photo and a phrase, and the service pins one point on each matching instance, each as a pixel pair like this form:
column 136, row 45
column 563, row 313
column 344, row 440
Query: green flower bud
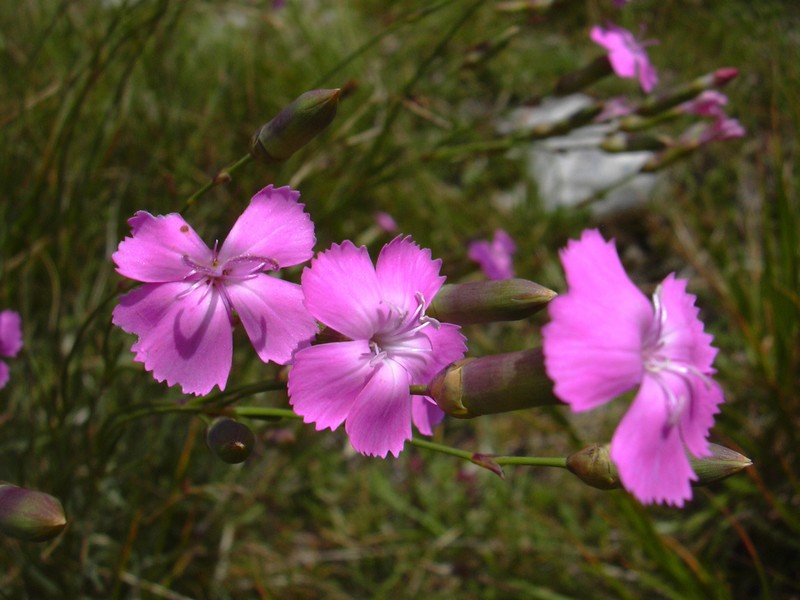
column 230, row 440
column 295, row 126
column 625, row 142
column 29, row 515
column 488, row 301
column 593, row 466
column 722, row 463
column 493, row 384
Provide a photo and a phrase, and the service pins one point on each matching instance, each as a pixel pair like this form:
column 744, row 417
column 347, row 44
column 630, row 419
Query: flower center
column 400, row 336
column 216, row 275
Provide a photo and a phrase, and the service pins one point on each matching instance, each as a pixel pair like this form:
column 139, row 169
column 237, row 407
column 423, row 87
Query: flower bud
column 593, row 466
column 230, row 440
column 685, row 92
column 295, row 126
column 723, row 462
column 488, row 301
column 493, row 384
column 29, row 515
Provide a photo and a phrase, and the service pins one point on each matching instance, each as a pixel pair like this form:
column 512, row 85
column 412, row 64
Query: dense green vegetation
column 107, row 108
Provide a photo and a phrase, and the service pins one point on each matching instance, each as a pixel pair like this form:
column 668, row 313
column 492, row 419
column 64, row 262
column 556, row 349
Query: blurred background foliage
column 116, row 106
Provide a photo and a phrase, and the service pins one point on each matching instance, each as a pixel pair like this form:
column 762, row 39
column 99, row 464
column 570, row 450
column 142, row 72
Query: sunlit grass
column 109, row 108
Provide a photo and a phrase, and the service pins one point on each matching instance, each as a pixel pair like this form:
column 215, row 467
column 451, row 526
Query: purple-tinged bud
column 594, row 467
column 489, row 301
column 723, row 75
column 493, row 384
column 295, row 126
column 29, row 515
column 685, row 92
column 230, row 440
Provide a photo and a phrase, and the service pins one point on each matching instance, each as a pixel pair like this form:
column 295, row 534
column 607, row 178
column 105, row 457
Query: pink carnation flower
column 627, row 56
column 184, row 312
column 606, row 338
column 10, row 340
column 364, row 382
column 496, row 257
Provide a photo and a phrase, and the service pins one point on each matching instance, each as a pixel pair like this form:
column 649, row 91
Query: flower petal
column 682, row 332
column 593, row 343
column 154, row 252
column 184, row 338
column 447, row 346
column 10, row 333
column 273, row 315
column 648, row 451
column 342, row 291
column 698, row 416
column 325, row 381
column 403, row 270
column 274, row 226
column 425, row 414
column 380, row 420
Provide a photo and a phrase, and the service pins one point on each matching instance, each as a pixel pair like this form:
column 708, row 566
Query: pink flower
column 709, row 103
column 364, row 382
column 605, row 338
column 10, row 340
column 627, row 56
column 496, row 257
column 721, row 129
column 184, row 312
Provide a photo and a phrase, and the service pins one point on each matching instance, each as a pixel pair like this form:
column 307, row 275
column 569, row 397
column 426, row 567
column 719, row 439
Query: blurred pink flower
column 364, row 382
column 386, row 222
column 496, row 257
column 615, row 108
column 627, row 56
column 605, row 338
column 184, row 312
column 10, row 340
column 721, row 129
column 709, row 103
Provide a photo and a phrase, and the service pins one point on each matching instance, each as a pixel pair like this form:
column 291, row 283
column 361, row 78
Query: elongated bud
column 230, row 440
column 29, row 515
column 593, row 466
column 493, row 384
column 295, row 126
column 489, row 301
column 680, row 94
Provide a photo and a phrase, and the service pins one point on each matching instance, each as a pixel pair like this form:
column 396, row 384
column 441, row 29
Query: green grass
column 105, row 110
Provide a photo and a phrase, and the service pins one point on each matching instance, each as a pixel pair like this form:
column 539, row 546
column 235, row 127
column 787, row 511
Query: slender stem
column 223, row 176
column 419, row 390
column 441, row 448
column 533, row 461
column 269, row 414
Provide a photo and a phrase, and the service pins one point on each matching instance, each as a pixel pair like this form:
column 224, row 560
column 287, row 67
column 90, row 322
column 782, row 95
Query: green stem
column 268, row 414
column 223, row 176
column 481, row 459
